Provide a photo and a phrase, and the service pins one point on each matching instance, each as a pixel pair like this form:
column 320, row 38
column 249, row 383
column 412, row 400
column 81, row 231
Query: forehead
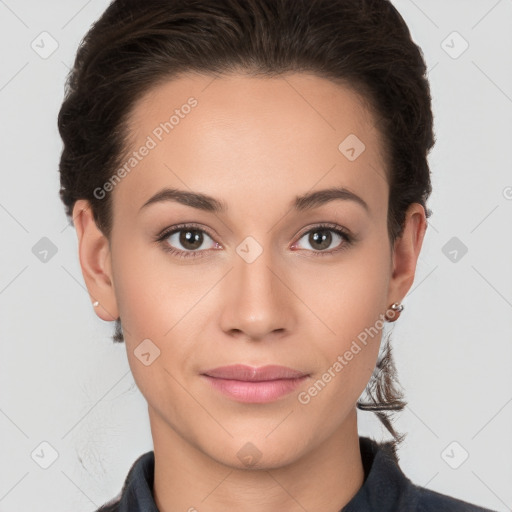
column 238, row 135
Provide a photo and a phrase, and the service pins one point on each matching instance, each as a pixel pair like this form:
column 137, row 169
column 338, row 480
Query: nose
column 258, row 302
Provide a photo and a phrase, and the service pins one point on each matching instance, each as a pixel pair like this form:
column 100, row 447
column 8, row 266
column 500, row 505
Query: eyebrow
column 301, row 203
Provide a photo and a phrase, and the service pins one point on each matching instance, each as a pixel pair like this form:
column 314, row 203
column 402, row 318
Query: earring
column 393, row 313
column 96, row 304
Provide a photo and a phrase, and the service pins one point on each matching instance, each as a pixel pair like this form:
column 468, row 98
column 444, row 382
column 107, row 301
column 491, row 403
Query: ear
column 95, row 260
column 406, row 252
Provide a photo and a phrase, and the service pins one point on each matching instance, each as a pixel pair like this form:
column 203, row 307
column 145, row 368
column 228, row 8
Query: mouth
column 254, row 385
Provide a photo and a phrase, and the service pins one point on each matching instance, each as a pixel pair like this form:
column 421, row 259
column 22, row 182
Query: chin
column 254, row 455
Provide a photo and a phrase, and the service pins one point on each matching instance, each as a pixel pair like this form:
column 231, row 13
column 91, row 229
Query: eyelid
column 168, row 231
column 326, row 226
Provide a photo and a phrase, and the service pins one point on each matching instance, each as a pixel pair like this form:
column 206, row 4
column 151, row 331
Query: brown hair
column 364, row 44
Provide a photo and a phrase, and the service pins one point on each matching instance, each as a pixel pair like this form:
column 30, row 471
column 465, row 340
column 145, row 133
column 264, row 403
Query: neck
column 186, row 479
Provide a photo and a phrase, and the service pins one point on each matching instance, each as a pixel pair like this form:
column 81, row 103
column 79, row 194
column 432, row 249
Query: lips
column 254, row 385
column 252, row 374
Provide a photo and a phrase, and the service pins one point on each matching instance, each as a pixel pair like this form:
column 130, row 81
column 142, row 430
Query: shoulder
column 136, row 493
column 427, row 500
column 111, row 506
column 114, row 505
column 387, row 489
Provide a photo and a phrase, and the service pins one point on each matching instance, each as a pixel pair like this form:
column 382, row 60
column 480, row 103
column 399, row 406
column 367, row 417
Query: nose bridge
column 257, row 303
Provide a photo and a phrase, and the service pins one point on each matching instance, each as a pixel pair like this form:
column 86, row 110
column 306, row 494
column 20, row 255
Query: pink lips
column 254, row 385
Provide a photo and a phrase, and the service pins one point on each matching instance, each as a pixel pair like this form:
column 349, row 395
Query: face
column 260, row 272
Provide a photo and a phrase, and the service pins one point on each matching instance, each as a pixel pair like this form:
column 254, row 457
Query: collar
column 385, row 486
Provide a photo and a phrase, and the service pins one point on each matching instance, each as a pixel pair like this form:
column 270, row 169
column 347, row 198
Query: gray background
column 64, row 383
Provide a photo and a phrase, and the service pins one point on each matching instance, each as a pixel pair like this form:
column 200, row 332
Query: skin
column 255, row 144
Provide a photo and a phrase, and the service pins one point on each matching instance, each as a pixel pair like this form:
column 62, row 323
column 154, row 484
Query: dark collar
column 385, row 487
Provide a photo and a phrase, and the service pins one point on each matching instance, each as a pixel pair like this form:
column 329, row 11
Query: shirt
column 385, row 487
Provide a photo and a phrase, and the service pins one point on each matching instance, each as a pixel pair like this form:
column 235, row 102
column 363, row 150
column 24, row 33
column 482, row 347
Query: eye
column 323, row 237
column 186, row 240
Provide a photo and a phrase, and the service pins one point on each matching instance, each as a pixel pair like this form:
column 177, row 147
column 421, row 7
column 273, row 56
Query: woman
column 248, row 182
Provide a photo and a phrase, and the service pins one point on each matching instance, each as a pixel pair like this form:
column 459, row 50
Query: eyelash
column 161, row 237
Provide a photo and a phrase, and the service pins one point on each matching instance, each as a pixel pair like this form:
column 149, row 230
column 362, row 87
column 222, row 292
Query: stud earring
column 96, row 304
column 393, row 313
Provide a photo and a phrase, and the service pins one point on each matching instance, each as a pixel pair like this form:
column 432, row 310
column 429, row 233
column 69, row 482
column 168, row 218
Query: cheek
column 349, row 297
column 158, row 301
column 152, row 293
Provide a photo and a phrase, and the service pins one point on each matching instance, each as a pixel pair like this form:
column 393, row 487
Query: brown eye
column 191, row 239
column 325, row 239
column 185, row 240
column 320, row 239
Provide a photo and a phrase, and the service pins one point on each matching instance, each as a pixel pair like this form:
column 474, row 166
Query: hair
column 362, row 44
